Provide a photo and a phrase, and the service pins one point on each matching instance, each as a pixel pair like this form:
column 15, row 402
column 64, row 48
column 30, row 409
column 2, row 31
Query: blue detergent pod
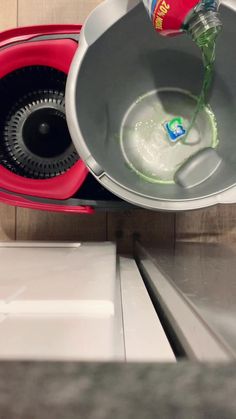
column 175, row 129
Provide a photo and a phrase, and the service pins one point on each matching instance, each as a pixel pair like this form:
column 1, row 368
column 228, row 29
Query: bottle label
column 168, row 16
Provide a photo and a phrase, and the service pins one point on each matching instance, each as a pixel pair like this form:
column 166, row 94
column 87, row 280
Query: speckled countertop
column 116, row 391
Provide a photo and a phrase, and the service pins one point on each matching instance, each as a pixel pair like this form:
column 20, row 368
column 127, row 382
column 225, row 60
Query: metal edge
column 145, row 339
column 197, row 339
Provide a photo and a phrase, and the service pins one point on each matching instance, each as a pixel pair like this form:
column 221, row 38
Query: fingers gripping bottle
column 171, row 17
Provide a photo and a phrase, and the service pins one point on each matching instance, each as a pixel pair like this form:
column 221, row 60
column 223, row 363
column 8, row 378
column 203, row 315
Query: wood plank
column 39, row 225
column 8, row 14
column 8, row 19
column 214, row 225
column 150, row 227
column 7, row 223
column 54, row 11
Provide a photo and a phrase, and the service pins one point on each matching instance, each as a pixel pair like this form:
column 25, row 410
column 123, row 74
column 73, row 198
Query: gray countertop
column 206, row 276
column 117, row 391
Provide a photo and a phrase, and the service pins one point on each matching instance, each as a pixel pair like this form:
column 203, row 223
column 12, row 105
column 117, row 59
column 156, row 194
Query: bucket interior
column 130, row 62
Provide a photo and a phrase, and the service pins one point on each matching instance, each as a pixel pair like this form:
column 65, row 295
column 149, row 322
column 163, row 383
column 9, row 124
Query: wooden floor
column 214, row 224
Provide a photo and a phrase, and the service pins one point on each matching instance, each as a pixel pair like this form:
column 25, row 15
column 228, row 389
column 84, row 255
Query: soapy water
column 145, row 142
column 163, row 129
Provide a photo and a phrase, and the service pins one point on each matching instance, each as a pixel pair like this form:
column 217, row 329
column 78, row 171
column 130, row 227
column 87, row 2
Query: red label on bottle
column 168, row 16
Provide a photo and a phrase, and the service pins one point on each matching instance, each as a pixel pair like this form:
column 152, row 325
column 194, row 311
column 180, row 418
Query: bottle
column 172, row 17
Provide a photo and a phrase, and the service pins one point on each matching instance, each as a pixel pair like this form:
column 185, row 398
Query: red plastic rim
column 19, row 201
column 57, row 54
column 26, row 33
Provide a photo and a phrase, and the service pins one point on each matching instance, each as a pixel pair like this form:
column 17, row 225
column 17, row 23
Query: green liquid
column 207, row 43
column 142, row 141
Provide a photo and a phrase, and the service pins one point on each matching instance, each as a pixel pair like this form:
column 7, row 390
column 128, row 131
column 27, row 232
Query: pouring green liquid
column 207, row 43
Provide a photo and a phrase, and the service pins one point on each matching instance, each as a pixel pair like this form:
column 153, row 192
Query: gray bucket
column 123, row 71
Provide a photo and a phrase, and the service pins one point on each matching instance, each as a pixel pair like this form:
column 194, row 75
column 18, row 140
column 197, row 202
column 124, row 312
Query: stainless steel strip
column 196, row 337
column 145, row 339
